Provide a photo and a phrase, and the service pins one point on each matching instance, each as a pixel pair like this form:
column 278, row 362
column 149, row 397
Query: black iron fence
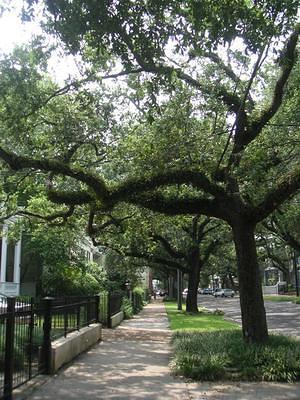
column 114, row 304
column 70, row 314
column 27, row 330
column 20, row 340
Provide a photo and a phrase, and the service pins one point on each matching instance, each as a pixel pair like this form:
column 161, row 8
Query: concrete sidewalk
column 132, row 363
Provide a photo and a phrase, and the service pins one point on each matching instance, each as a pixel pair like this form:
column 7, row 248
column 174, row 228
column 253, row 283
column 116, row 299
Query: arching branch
column 17, row 162
column 287, row 62
column 288, row 185
column 168, row 247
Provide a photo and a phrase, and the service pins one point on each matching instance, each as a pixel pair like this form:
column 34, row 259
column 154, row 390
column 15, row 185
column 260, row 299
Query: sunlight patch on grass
column 203, row 321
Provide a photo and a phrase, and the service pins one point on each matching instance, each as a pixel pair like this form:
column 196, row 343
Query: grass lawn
column 203, row 321
column 280, row 298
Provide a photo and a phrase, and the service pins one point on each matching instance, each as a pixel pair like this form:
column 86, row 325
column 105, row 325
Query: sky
column 13, row 32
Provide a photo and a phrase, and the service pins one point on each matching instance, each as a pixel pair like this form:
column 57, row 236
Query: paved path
column 131, row 363
column 282, row 317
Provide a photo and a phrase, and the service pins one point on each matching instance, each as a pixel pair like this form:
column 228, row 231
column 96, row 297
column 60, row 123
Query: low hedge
column 225, row 355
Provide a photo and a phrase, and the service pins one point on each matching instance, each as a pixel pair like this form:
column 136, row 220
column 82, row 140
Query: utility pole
column 296, row 273
column 179, row 289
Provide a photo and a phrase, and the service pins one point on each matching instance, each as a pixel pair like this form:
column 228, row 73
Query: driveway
column 282, row 317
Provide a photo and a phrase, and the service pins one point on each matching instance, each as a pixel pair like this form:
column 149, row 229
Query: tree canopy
column 196, row 123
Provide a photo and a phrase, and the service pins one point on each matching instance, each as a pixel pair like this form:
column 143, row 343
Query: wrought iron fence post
column 108, row 311
column 78, row 316
column 46, row 348
column 97, row 308
column 88, row 310
column 133, row 302
column 9, row 349
column 31, row 327
column 65, row 313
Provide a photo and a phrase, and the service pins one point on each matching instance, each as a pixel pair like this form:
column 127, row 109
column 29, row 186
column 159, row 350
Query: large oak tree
column 221, row 54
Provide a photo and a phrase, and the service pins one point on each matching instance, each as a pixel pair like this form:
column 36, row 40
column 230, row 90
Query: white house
column 20, row 271
column 10, row 257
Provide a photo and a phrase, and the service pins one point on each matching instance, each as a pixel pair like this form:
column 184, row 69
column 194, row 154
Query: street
column 282, row 317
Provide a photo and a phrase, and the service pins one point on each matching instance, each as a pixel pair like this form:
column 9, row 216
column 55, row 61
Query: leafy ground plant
column 224, row 355
column 207, row 347
column 127, row 308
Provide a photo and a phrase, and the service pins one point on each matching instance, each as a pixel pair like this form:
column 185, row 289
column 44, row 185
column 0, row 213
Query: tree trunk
column 193, row 281
column 254, row 323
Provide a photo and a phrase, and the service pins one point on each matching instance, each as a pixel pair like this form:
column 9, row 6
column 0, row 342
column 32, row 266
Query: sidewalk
column 132, row 363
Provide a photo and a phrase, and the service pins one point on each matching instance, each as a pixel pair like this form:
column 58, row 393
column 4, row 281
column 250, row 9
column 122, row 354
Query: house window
column 10, row 261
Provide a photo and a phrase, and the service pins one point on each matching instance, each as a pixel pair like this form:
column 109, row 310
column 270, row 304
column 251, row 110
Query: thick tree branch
column 176, row 177
column 285, row 188
column 226, row 68
column 287, row 61
column 144, row 256
column 230, row 99
column 209, row 250
column 51, row 217
column 168, row 247
column 200, row 232
column 276, row 261
column 69, row 198
column 94, row 229
column 282, row 232
column 175, row 206
column 157, row 260
column 17, row 162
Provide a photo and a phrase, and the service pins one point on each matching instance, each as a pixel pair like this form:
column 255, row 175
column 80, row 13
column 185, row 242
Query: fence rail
column 27, row 329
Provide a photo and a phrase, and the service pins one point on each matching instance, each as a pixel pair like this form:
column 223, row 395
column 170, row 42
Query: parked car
column 223, row 293
column 207, row 291
column 185, row 291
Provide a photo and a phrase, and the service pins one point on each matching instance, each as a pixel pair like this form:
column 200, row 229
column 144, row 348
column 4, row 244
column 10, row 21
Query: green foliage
column 202, row 108
column 127, row 308
column 55, row 255
column 151, row 24
column 120, row 270
column 68, row 280
column 103, row 306
column 224, row 355
column 138, row 295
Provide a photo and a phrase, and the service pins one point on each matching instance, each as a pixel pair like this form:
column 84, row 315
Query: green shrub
column 103, row 306
column 127, row 308
column 224, row 354
column 138, row 299
column 69, row 280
